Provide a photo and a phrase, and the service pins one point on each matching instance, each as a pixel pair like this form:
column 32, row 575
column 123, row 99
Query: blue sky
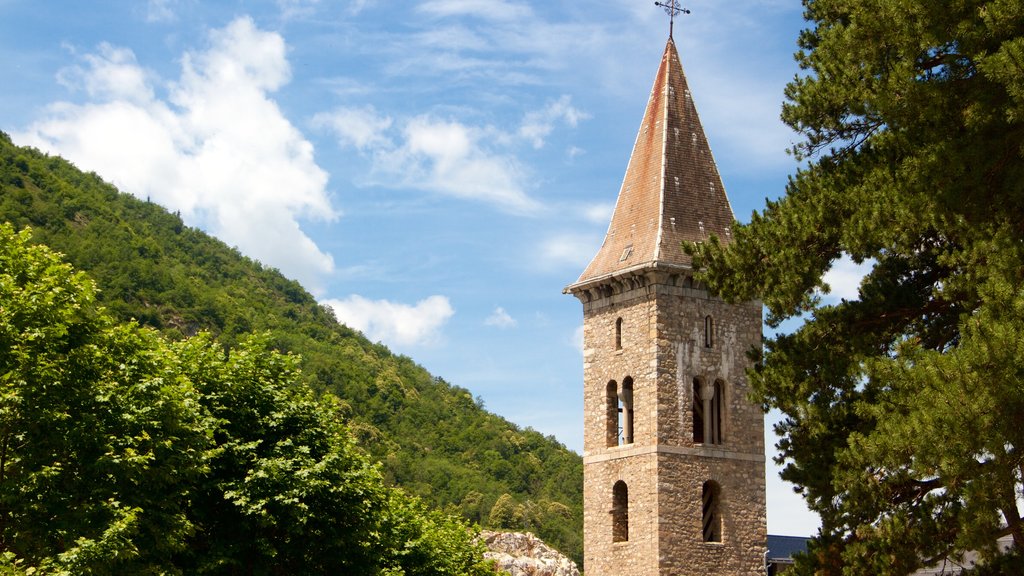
column 435, row 170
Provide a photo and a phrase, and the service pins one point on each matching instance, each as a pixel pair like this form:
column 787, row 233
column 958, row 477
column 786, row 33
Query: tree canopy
column 123, row 453
column 903, row 408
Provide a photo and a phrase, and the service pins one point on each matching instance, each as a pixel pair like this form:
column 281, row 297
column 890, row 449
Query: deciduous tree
column 100, row 440
column 121, row 453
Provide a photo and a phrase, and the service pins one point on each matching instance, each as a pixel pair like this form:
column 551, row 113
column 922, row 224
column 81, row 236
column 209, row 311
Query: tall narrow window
column 611, row 432
column 698, row 412
column 709, row 332
column 618, row 334
column 620, row 512
column 712, row 519
column 626, row 410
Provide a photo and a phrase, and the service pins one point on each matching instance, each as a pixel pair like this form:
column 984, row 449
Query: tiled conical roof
column 672, row 191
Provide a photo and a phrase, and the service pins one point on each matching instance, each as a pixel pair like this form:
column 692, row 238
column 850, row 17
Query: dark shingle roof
column 784, row 547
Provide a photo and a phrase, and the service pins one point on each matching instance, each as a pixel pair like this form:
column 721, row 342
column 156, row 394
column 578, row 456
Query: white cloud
column 393, row 323
column 112, row 74
column 448, row 157
column 218, row 148
column 442, row 156
column 844, row 278
column 500, row 319
column 577, row 339
column 537, row 125
column 362, row 127
column 160, row 11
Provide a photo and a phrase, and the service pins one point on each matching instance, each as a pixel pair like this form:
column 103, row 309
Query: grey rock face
column 526, row 555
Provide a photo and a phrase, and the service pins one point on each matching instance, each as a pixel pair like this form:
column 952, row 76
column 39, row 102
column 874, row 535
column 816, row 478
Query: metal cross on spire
column 672, row 8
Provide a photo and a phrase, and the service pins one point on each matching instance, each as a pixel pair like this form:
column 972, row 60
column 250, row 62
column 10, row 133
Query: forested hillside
column 432, row 438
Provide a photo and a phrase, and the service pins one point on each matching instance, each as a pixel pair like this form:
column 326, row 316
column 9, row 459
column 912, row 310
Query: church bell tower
column 673, row 455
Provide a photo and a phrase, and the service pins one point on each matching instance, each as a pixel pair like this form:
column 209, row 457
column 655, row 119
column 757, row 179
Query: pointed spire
column 672, row 191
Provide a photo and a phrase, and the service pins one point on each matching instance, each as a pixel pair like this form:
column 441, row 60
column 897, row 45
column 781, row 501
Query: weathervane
column 672, row 7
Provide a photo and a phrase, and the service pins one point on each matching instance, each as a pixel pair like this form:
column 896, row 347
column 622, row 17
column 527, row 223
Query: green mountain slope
column 432, row 438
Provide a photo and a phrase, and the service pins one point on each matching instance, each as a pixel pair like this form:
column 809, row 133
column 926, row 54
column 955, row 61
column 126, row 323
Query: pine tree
column 904, row 408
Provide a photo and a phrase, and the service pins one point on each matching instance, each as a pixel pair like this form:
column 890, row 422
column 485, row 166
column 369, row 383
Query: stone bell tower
column 673, row 455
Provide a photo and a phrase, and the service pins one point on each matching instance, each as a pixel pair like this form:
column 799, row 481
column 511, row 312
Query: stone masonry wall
column 744, row 536
column 639, row 554
column 662, row 350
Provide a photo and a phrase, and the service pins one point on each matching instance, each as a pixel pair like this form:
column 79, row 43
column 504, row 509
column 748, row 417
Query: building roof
column 672, row 191
column 782, row 548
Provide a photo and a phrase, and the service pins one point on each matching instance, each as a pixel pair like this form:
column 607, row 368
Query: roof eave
column 642, row 268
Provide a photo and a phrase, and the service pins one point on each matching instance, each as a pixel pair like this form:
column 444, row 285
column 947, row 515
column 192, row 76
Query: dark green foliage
column 902, row 408
column 432, row 438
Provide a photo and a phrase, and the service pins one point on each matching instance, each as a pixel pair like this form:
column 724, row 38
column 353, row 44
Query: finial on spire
column 672, row 7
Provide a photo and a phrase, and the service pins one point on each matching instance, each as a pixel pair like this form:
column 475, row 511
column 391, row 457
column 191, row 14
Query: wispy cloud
column 518, row 45
column 160, row 11
column 433, row 154
column 500, row 319
column 217, row 148
column 452, row 37
column 297, row 8
column 493, row 43
column 485, row 9
column 392, row 323
column 449, row 156
column 537, row 125
column 362, row 127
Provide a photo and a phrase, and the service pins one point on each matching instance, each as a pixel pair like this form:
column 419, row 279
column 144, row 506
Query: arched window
column 698, row 412
column 611, row 432
column 620, row 512
column 626, row 410
column 711, row 517
column 709, row 332
column 618, row 334
column 708, row 412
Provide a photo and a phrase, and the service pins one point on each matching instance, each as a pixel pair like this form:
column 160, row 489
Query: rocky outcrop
column 526, row 555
